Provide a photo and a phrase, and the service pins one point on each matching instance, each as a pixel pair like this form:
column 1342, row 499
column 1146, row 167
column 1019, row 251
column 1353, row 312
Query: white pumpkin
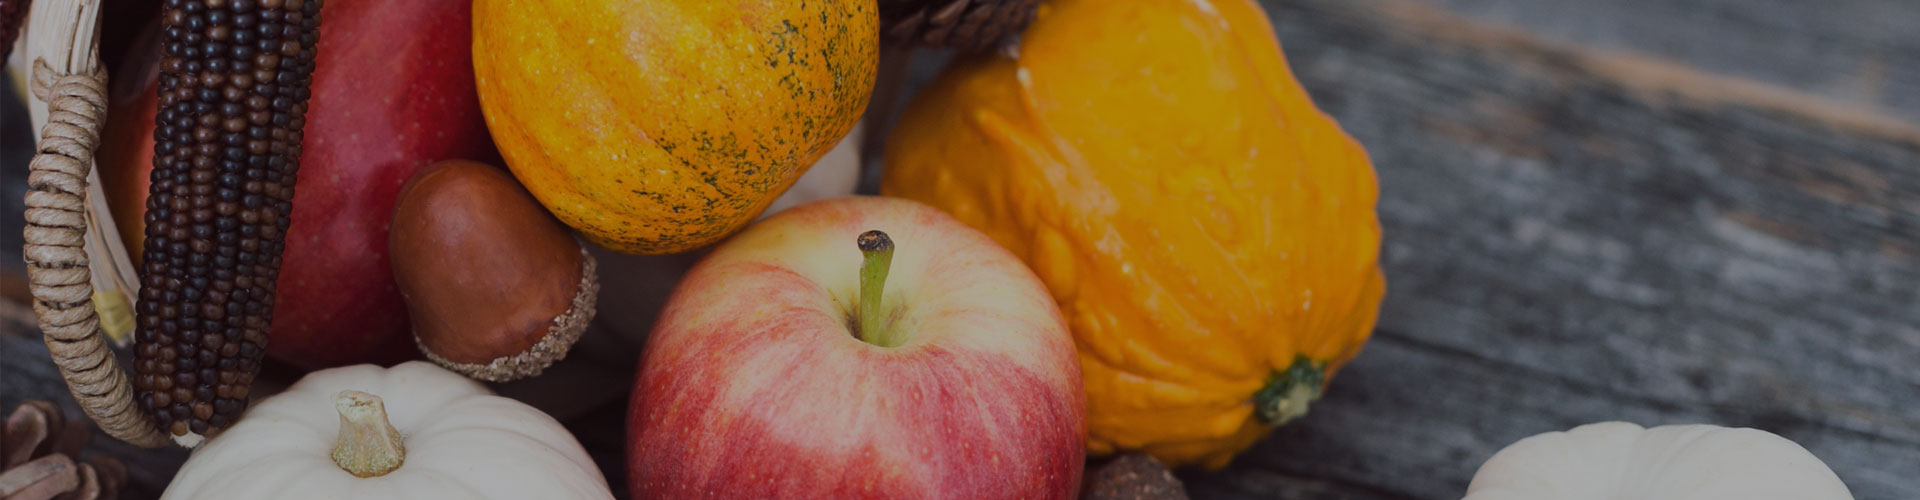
column 449, row 437
column 1619, row 460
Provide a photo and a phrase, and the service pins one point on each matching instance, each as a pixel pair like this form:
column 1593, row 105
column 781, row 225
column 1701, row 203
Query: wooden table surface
column 1660, row 211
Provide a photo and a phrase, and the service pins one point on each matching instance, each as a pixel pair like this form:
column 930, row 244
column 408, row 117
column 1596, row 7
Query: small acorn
column 496, row 287
column 1132, row 476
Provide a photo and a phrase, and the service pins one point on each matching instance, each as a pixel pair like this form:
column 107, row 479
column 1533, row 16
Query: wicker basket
column 79, row 271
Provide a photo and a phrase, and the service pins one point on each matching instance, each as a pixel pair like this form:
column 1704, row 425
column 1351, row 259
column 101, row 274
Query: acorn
column 966, row 25
column 1132, row 476
column 496, row 287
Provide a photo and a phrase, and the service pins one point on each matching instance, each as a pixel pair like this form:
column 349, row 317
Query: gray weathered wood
column 1564, row 247
column 1864, row 52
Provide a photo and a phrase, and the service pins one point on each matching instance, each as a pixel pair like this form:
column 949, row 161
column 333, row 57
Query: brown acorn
column 496, row 287
column 967, row 25
column 1132, row 477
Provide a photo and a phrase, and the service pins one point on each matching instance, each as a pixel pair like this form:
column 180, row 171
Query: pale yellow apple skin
column 753, row 384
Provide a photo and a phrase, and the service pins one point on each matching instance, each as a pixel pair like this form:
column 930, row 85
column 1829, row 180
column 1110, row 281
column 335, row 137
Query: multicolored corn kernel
column 233, row 99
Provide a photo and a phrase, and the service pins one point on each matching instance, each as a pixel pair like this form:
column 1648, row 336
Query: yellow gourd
column 662, row 126
column 1209, row 234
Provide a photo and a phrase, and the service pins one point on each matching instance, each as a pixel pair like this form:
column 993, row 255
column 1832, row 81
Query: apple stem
column 368, row 445
column 876, row 250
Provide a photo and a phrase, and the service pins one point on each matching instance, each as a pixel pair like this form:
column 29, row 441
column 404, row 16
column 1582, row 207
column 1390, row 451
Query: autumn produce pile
column 1107, row 228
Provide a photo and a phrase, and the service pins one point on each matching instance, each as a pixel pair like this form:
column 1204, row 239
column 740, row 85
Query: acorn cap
column 1132, row 477
column 552, row 347
column 967, row 25
column 496, row 288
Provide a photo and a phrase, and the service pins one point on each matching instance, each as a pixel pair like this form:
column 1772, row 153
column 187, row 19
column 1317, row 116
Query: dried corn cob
column 233, row 98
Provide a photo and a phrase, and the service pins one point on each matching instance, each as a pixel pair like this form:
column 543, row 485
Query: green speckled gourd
column 663, row 126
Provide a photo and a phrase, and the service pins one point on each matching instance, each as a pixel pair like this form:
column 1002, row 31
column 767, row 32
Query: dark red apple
column 126, row 152
column 805, row 358
column 393, row 91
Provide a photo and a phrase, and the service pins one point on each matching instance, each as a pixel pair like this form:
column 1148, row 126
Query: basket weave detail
column 56, row 256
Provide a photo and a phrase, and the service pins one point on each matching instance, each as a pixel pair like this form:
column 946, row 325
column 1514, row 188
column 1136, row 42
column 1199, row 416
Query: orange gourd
column 1208, row 233
column 663, row 126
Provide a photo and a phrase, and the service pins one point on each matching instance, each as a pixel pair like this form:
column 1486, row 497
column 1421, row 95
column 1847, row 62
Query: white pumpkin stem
column 368, row 446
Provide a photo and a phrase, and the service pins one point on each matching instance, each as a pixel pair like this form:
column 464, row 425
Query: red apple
column 126, row 154
column 393, row 91
column 764, row 379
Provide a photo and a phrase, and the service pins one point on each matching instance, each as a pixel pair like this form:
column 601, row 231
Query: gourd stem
column 368, row 445
column 876, row 251
column 1288, row 392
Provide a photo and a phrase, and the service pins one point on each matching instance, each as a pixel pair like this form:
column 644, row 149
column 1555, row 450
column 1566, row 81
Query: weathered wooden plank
column 1565, row 247
column 1863, row 52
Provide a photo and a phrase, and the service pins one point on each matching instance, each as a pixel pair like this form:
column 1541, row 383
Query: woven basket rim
column 75, row 259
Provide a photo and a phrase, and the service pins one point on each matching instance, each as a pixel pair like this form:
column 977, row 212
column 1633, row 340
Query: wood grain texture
column 1563, row 248
column 1864, row 52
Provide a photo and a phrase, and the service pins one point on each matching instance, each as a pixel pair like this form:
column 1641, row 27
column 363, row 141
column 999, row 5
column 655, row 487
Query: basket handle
column 57, row 261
